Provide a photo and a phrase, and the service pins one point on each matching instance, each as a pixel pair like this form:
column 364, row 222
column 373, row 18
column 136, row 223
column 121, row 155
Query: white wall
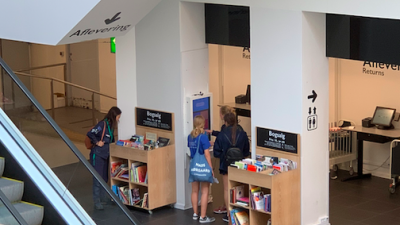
column 194, row 64
column 126, row 83
column 359, row 94
column 107, row 75
column 16, row 55
column 85, row 71
column 314, row 144
column 42, row 55
column 159, row 81
column 288, row 62
column 235, row 76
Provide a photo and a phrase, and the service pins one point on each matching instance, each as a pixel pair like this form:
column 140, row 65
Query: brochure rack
column 161, row 180
column 284, row 189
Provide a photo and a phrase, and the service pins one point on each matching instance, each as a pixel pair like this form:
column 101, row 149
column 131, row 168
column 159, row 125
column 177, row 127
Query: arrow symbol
column 313, row 96
column 112, row 20
column 309, row 110
column 315, row 111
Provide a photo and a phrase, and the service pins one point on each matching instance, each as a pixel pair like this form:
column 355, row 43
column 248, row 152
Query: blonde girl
column 199, row 144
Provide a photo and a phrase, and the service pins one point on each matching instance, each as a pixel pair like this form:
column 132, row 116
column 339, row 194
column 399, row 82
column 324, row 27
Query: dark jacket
column 222, row 144
column 215, row 132
column 95, row 136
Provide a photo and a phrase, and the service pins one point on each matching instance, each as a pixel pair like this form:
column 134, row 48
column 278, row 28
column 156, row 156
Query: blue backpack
column 200, row 170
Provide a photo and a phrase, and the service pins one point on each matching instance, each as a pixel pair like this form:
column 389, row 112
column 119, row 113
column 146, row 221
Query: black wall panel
column 227, row 25
column 362, row 38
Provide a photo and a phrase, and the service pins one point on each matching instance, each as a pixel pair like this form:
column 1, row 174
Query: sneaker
column 220, row 210
column 98, row 206
column 207, row 219
column 195, row 216
column 225, row 218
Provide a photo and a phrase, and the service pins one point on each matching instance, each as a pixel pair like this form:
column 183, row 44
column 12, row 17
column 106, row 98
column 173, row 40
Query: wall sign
column 154, row 119
column 278, row 140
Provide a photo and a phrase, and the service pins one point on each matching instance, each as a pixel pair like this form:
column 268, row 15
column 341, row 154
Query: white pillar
column 288, row 61
column 126, row 83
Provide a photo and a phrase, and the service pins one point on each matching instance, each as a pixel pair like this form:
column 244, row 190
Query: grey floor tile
column 382, row 219
column 352, row 214
column 377, row 206
column 347, row 200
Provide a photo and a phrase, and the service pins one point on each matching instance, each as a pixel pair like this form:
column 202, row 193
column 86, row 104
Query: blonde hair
column 227, row 109
column 198, row 126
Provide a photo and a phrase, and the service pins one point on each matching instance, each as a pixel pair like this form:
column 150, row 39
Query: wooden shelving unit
column 161, row 172
column 284, row 189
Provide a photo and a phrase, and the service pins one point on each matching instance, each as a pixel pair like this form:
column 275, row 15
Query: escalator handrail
column 12, row 209
column 69, row 143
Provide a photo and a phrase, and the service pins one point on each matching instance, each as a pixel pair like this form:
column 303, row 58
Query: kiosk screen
column 201, row 107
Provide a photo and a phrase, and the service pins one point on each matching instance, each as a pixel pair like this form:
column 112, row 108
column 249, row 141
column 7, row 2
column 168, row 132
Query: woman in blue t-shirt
column 196, row 138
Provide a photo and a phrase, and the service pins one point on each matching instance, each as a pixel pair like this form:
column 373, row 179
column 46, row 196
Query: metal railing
column 67, row 141
column 66, row 83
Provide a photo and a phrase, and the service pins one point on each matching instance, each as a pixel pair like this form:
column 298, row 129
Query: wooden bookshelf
column 161, row 172
column 284, row 189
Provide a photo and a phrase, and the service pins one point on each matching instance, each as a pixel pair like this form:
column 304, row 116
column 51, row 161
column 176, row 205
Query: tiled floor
column 360, row 202
column 363, row 202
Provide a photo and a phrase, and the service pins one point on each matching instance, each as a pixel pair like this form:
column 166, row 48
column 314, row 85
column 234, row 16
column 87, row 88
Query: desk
column 241, row 109
column 372, row 135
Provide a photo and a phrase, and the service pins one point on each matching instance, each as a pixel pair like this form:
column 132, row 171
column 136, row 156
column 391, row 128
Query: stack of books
column 119, row 170
column 237, row 196
column 262, row 163
column 259, row 200
column 139, row 172
column 149, row 142
column 239, row 217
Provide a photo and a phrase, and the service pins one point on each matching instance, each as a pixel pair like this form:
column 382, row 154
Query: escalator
column 46, row 179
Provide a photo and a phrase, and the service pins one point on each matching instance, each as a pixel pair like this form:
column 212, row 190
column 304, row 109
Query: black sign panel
column 154, row 119
column 277, row 140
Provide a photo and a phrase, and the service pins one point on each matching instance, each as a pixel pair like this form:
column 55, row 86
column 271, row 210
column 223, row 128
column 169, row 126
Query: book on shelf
column 242, row 218
column 122, row 192
column 139, row 172
column 239, row 216
column 115, row 166
column 244, row 201
column 135, row 196
column 237, row 193
column 162, row 142
column 118, row 168
column 145, row 202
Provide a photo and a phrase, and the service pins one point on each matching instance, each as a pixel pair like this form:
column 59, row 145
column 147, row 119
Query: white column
column 288, row 62
column 126, row 83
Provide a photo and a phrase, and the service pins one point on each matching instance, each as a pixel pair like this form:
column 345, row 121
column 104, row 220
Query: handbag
column 88, row 143
column 200, row 170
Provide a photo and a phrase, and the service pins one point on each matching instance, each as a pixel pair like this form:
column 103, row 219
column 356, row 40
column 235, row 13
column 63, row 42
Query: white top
column 393, row 133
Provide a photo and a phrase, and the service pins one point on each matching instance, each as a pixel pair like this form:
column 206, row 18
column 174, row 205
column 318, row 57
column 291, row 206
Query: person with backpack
column 222, row 112
column 231, row 145
column 201, row 173
column 100, row 137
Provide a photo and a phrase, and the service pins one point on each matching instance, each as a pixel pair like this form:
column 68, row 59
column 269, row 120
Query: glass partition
column 69, row 160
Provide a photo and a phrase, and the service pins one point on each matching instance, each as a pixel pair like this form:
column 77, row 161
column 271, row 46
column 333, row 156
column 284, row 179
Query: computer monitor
column 383, row 117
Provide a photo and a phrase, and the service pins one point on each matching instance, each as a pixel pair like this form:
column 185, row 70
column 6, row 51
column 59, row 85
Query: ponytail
column 230, row 119
column 198, row 126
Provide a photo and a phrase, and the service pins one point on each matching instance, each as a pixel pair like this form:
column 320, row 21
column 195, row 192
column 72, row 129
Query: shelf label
column 278, row 140
column 154, row 119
